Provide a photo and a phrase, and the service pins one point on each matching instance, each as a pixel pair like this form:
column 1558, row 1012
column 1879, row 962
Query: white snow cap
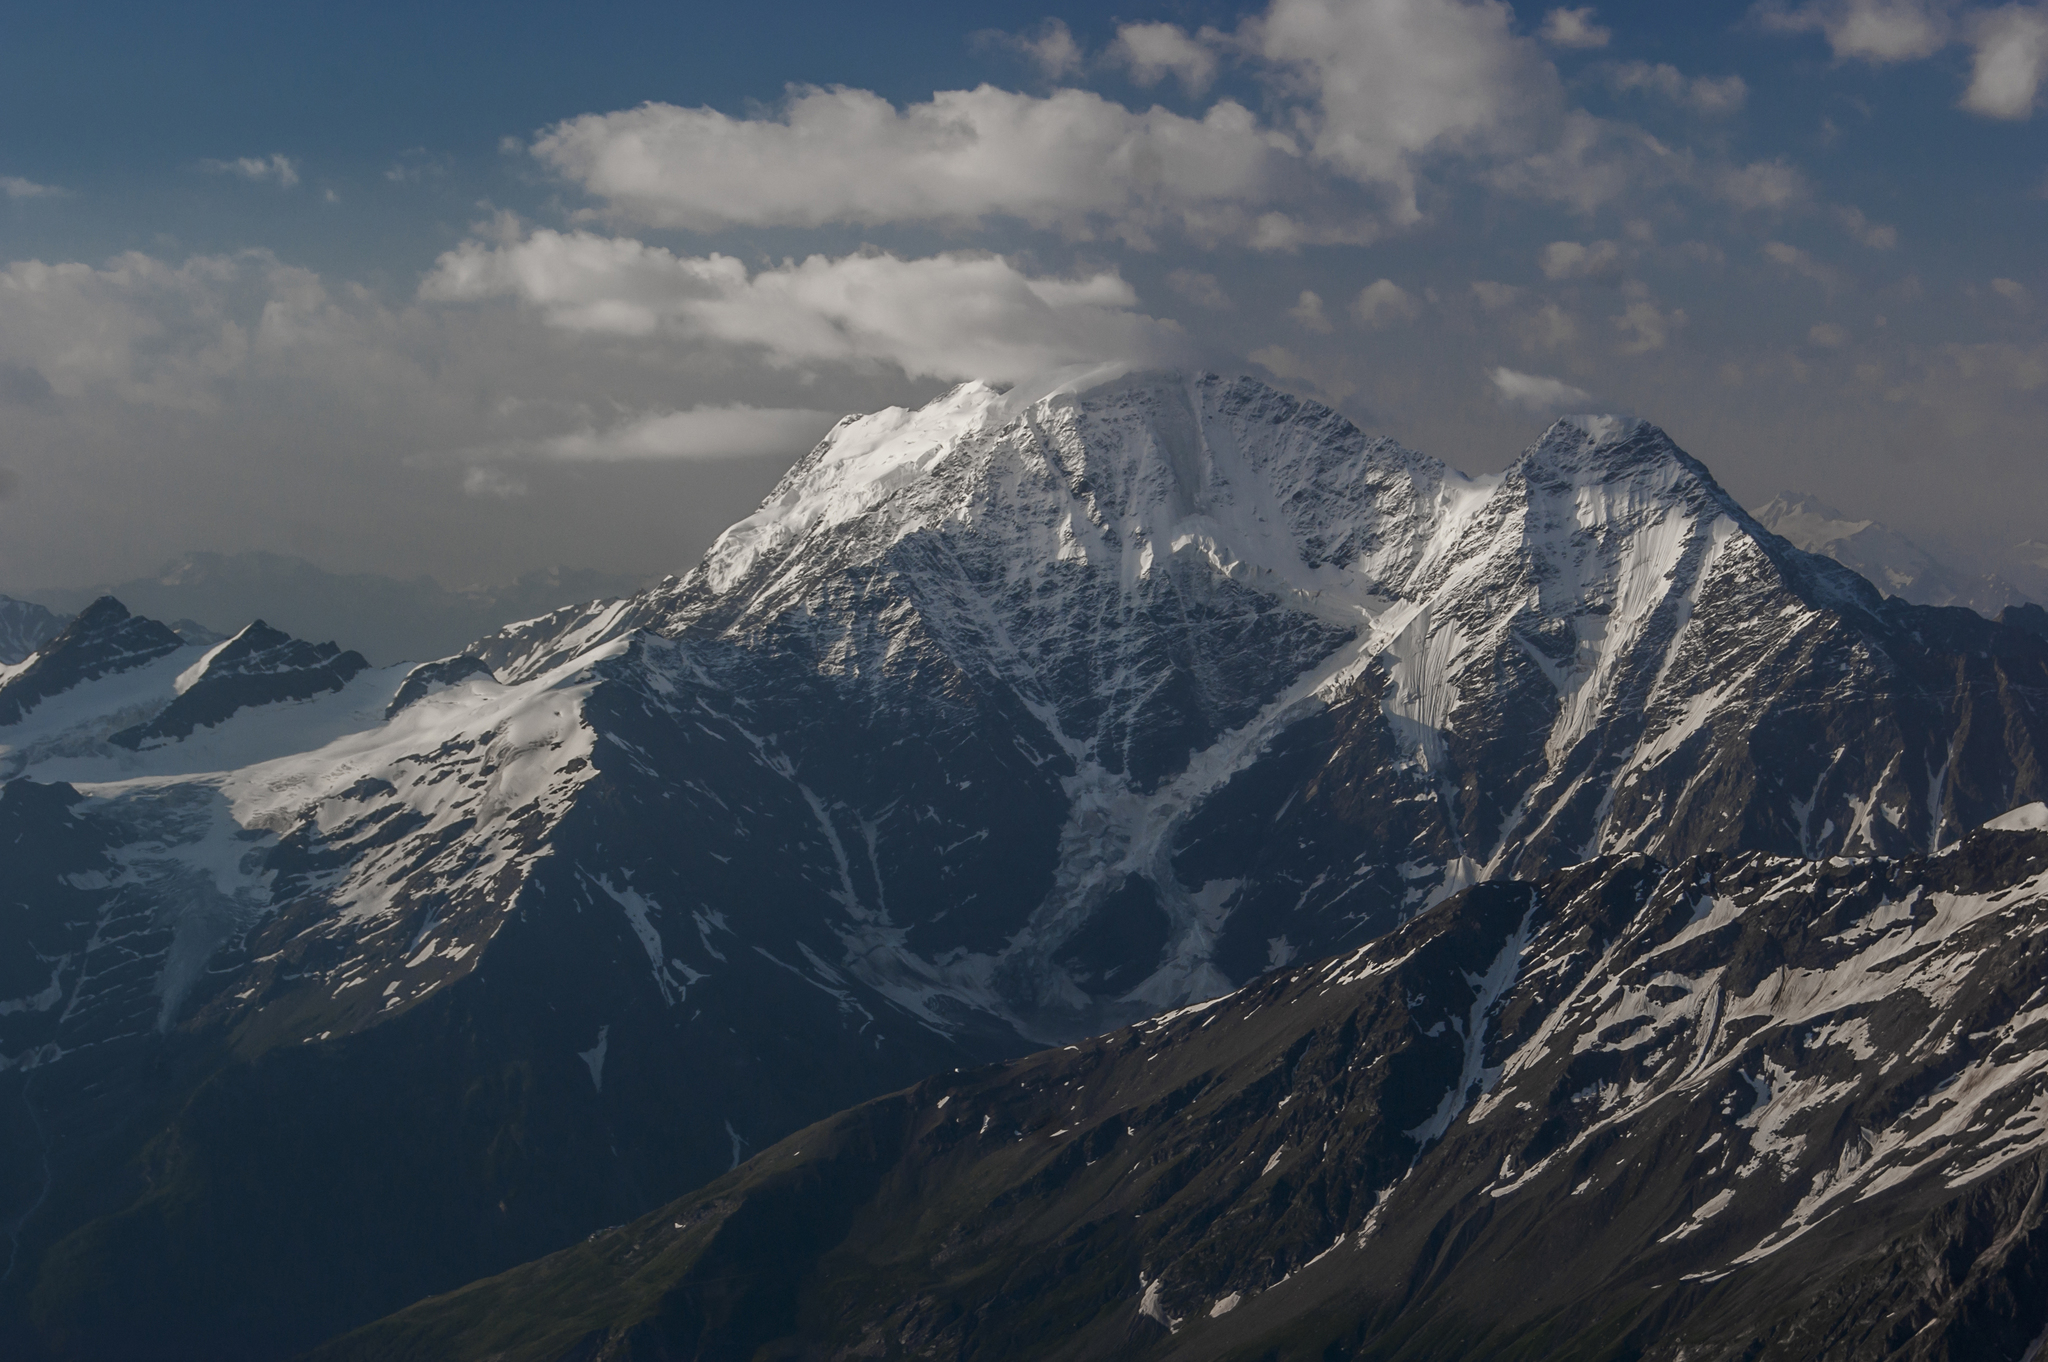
column 2026, row 818
column 1603, row 428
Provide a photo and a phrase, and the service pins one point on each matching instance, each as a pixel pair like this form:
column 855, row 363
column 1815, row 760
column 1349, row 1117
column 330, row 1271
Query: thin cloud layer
column 730, row 431
column 276, row 166
column 952, row 316
column 1536, row 392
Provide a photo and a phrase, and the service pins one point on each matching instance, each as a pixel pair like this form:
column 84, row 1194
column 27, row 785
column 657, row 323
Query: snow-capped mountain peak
column 1004, row 721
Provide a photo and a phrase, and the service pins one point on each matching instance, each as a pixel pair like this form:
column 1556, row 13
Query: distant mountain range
column 1899, row 567
column 389, row 619
column 1004, row 723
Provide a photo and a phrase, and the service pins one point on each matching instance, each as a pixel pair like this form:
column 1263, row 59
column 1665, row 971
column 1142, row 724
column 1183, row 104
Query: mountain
column 389, row 618
column 1895, row 563
column 1003, row 722
column 1745, row 1106
column 24, row 627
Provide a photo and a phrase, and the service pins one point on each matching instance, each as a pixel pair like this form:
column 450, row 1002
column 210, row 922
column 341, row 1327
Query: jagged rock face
column 1004, row 721
column 1742, row 1107
column 429, row 677
column 25, row 627
column 102, row 640
column 259, row 666
column 1280, row 685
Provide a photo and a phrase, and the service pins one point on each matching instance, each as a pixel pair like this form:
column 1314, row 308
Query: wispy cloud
column 276, row 166
column 1536, row 392
column 16, row 188
column 957, row 315
column 731, row 431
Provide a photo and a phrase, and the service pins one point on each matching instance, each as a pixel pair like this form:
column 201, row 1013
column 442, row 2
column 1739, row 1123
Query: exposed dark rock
column 259, row 666
column 432, row 676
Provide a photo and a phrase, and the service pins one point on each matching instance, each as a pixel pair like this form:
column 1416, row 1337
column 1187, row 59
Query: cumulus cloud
column 1383, row 301
column 1702, row 94
column 1388, row 81
column 1580, row 260
column 1573, row 28
column 1369, row 102
column 1536, row 392
column 1050, row 47
column 1071, row 160
column 1152, row 52
column 1761, row 185
column 1643, row 325
column 731, row 431
column 1308, row 312
column 2011, row 51
column 276, row 166
column 142, row 330
column 16, row 188
column 1877, row 31
column 958, row 315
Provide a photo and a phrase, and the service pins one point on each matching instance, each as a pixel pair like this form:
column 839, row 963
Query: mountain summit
column 1003, row 722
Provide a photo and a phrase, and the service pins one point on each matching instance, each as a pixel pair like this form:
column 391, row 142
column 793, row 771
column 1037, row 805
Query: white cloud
column 731, row 431
column 1537, row 392
column 1827, row 335
column 141, row 330
column 2011, row 51
column 1877, row 31
column 1388, row 81
column 486, row 481
column 14, row 187
column 957, row 315
column 1152, row 52
column 276, row 167
column 1702, row 94
column 1573, row 28
column 1050, row 48
column 1369, row 100
column 1876, row 235
column 2014, row 292
column 1578, row 260
column 1308, row 312
column 1493, row 296
column 1383, row 301
column 1762, row 185
column 1643, row 325
column 1071, row 160
column 1200, row 289
column 1800, row 262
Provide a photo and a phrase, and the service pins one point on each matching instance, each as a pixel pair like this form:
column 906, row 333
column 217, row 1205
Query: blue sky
column 444, row 292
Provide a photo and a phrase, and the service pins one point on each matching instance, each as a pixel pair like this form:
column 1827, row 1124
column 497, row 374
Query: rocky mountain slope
column 24, row 627
column 388, row 618
column 1745, row 1106
column 1003, row 722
